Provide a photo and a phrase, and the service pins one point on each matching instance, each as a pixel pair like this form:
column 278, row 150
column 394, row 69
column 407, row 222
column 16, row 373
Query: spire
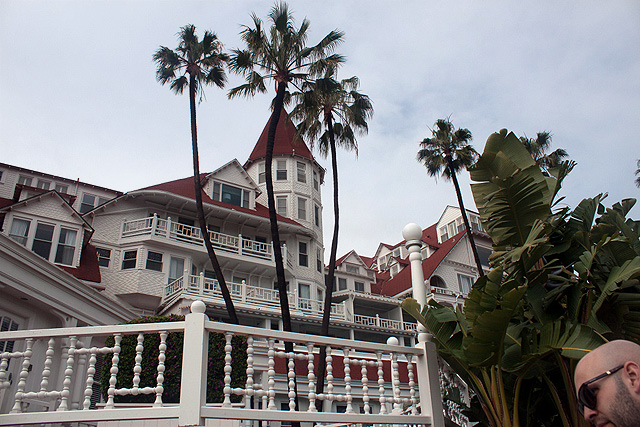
column 285, row 142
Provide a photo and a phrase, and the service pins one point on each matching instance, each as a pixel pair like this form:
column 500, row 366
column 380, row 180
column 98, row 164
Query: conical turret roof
column 285, row 142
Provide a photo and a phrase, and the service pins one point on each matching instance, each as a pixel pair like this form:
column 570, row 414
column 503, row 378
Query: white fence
column 54, row 372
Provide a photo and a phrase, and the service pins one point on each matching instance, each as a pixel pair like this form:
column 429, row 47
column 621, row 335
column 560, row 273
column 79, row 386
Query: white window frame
column 105, row 255
column 316, row 181
column 262, row 173
column 316, row 215
column 16, row 237
column 281, row 170
column 63, row 245
column 43, row 184
column 61, row 188
column 301, row 172
column 154, row 263
column 302, row 208
column 25, row 180
column 125, row 259
column 303, row 256
column 281, row 209
column 462, row 278
column 83, row 203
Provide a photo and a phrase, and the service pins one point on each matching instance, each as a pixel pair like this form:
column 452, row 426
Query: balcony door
column 176, row 268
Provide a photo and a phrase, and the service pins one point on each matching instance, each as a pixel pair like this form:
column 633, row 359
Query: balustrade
column 350, row 365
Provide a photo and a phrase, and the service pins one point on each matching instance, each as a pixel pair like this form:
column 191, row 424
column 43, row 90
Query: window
column 66, row 246
column 154, row 261
column 44, row 184
column 443, row 234
column 230, row 194
column 319, row 264
column 281, row 205
column 19, row 230
column 7, row 325
column 353, row 269
column 302, row 172
column 437, row 282
column 62, row 189
column 359, row 286
column 316, row 182
column 302, row 208
column 129, row 260
column 342, row 284
column 304, row 291
column 25, row 180
column 176, row 270
column 465, row 283
column 43, row 239
column 281, row 170
column 262, row 175
column 1, row 175
column 483, row 254
column 104, row 256
column 303, row 258
column 88, row 202
column 316, row 215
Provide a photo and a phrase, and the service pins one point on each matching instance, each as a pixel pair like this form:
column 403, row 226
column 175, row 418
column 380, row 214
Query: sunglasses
column 586, row 396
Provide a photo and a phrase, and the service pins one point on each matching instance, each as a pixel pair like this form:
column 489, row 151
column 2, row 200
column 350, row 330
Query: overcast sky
column 79, row 96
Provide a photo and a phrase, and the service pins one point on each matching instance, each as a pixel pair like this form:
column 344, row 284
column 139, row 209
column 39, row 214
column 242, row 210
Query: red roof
column 184, row 187
column 88, row 269
column 402, row 281
column 285, row 142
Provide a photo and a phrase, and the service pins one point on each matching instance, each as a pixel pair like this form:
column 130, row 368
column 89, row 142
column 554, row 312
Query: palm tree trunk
column 464, row 216
column 231, row 310
column 275, row 234
column 326, row 313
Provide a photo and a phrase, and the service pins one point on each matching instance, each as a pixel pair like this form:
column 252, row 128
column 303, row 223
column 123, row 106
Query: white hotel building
column 74, row 254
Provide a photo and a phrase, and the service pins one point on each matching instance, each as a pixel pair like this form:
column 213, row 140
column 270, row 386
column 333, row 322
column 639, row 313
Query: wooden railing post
column 426, row 363
column 193, row 386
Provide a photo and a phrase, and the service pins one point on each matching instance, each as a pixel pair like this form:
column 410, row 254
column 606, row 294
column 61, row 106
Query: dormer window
column 229, row 194
column 25, row 180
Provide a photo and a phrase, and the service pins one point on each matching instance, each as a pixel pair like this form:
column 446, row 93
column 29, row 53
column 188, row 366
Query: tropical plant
column 638, row 174
column 332, row 112
column 195, row 64
column 538, row 148
column 561, row 283
column 448, row 151
column 279, row 54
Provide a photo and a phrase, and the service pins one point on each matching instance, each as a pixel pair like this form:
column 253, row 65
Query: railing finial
column 198, row 307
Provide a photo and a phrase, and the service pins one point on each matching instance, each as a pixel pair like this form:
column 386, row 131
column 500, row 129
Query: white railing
column 399, row 377
column 178, row 232
column 241, row 293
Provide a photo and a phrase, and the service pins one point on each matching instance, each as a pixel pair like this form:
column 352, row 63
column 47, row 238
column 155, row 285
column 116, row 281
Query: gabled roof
column 235, row 164
column 285, row 142
column 184, row 187
column 52, row 193
column 402, row 281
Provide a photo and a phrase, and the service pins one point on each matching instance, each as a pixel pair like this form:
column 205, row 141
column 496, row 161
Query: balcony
column 168, row 230
column 243, row 295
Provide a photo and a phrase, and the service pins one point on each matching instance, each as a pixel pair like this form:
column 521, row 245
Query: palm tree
column 638, row 174
column 332, row 112
column 194, row 64
column 538, row 148
column 448, row 150
column 279, row 54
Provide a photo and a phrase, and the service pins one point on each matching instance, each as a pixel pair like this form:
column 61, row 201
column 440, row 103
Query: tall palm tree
column 332, row 112
column 279, row 54
column 638, row 174
column 449, row 151
column 195, row 64
column 538, row 148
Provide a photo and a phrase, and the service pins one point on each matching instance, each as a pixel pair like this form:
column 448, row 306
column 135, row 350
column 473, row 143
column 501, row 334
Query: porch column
column 193, row 390
column 426, row 363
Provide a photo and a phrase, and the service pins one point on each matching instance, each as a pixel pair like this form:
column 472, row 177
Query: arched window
column 437, row 282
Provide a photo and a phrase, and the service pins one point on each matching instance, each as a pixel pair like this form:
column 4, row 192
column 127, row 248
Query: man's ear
column 632, row 369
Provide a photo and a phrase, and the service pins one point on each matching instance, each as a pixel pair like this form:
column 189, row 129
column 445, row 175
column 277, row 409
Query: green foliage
column 173, row 364
column 562, row 282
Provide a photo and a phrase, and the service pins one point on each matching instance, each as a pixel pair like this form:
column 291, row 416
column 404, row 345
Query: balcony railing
column 241, row 293
column 172, row 230
column 403, row 376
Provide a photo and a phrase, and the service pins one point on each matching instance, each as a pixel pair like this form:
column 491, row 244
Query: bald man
column 608, row 385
